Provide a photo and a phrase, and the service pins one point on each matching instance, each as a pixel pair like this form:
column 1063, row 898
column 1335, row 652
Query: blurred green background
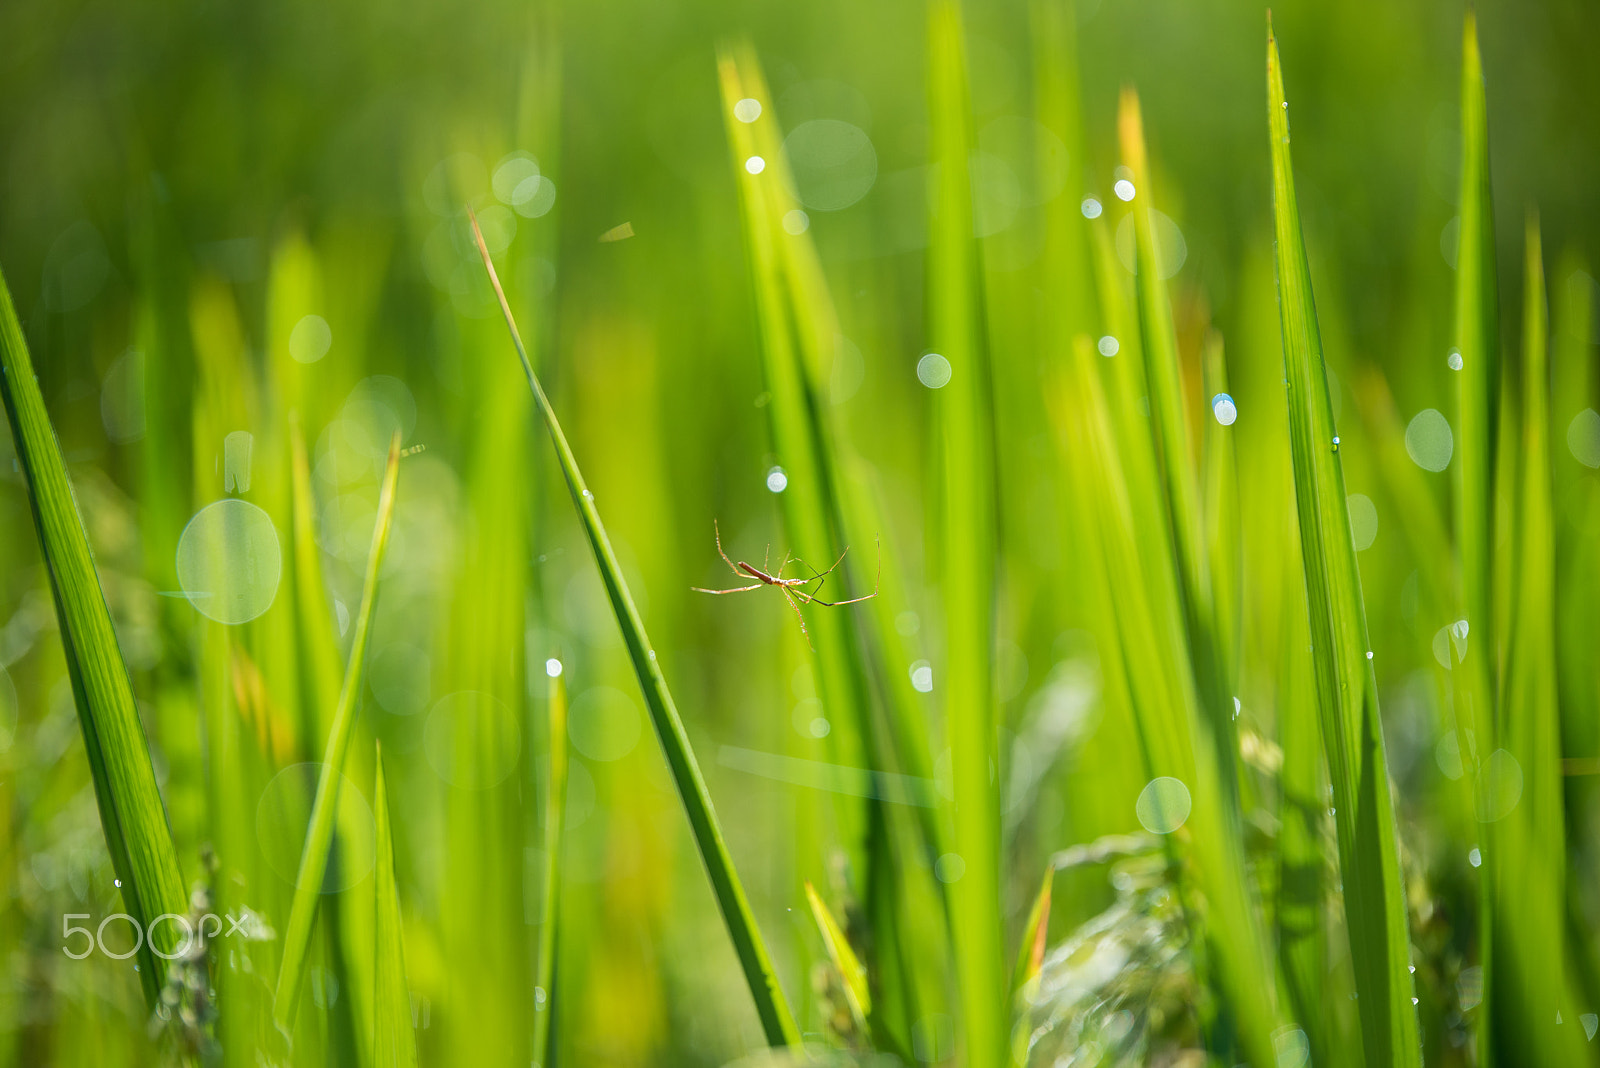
column 182, row 183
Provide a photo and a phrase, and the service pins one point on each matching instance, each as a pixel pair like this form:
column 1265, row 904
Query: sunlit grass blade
column 1171, row 429
column 777, row 1021
column 555, row 819
column 138, row 835
column 793, row 369
column 1477, row 381
column 1346, row 687
column 1030, row 948
column 966, row 538
column 1220, row 493
column 1173, row 732
column 1530, row 869
column 1477, row 339
column 394, row 1042
column 324, row 809
column 844, row 958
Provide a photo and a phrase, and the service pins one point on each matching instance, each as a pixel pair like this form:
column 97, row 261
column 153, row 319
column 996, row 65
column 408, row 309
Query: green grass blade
column 1346, row 686
column 138, row 835
column 1172, row 433
column 1477, row 331
column 1173, row 732
column 777, row 1021
column 844, row 959
column 1031, row 947
column 966, row 537
column 793, row 367
column 555, row 820
column 394, row 1041
column 1221, row 511
column 1530, row 868
column 324, row 809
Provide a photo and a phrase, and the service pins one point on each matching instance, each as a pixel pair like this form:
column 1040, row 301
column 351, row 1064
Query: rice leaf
column 1533, row 973
column 967, row 539
column 1174, row 734
column 844, row 959
column 324, row 809
column 555, row 819
column 776, row 1020
column 394, row 1041
column 1030, row 951
column 138, row 836
column 1477, row 332
column 1346, row 687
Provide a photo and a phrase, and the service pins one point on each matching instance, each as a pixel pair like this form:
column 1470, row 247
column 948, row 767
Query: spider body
column 794, row 589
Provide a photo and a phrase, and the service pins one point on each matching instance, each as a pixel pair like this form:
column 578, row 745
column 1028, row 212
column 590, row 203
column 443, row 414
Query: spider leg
column 725, row 558
column 740, row 589
column 811, row 598
column 796, row 606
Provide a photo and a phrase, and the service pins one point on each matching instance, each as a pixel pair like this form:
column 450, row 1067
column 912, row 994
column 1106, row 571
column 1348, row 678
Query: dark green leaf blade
column 138, row 835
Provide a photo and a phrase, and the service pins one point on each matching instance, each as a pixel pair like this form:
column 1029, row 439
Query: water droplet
column 1363, row 520
column 1163, row 805
column 1474, row 857
column 1091, row 208
column 533, row 197
column 1454, row 360
column 1237, row 708
column 116, row 882
column 933, row 371
column 755, row 165
column 473, row 741
column 1292, row 1047
column 511, row 174
column 1223, row 408
column 833, row 163
column 1583, row 437
column 747, row 110
column 1108, row 346
column 1499, row 786
column 552, row 668
column 1429, row 441
column 1336, row 443
column 1369, row 654
column 229, row 561
column 1124, row 189
column 1286, row 105
column 922, row 676
column 777, row 480
column 310, row 339
column 604, row 724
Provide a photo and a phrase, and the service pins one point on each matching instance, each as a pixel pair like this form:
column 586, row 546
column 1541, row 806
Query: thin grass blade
column 1530, row 871
column 1346, row 687
column 555, row 820
column 966, row 538
column 324, row 809
column 844, row 958
column 777, row 1021
column 138, row 836
column 394, row 1041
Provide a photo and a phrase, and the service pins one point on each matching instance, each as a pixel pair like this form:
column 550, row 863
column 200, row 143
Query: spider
column 793, row 588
